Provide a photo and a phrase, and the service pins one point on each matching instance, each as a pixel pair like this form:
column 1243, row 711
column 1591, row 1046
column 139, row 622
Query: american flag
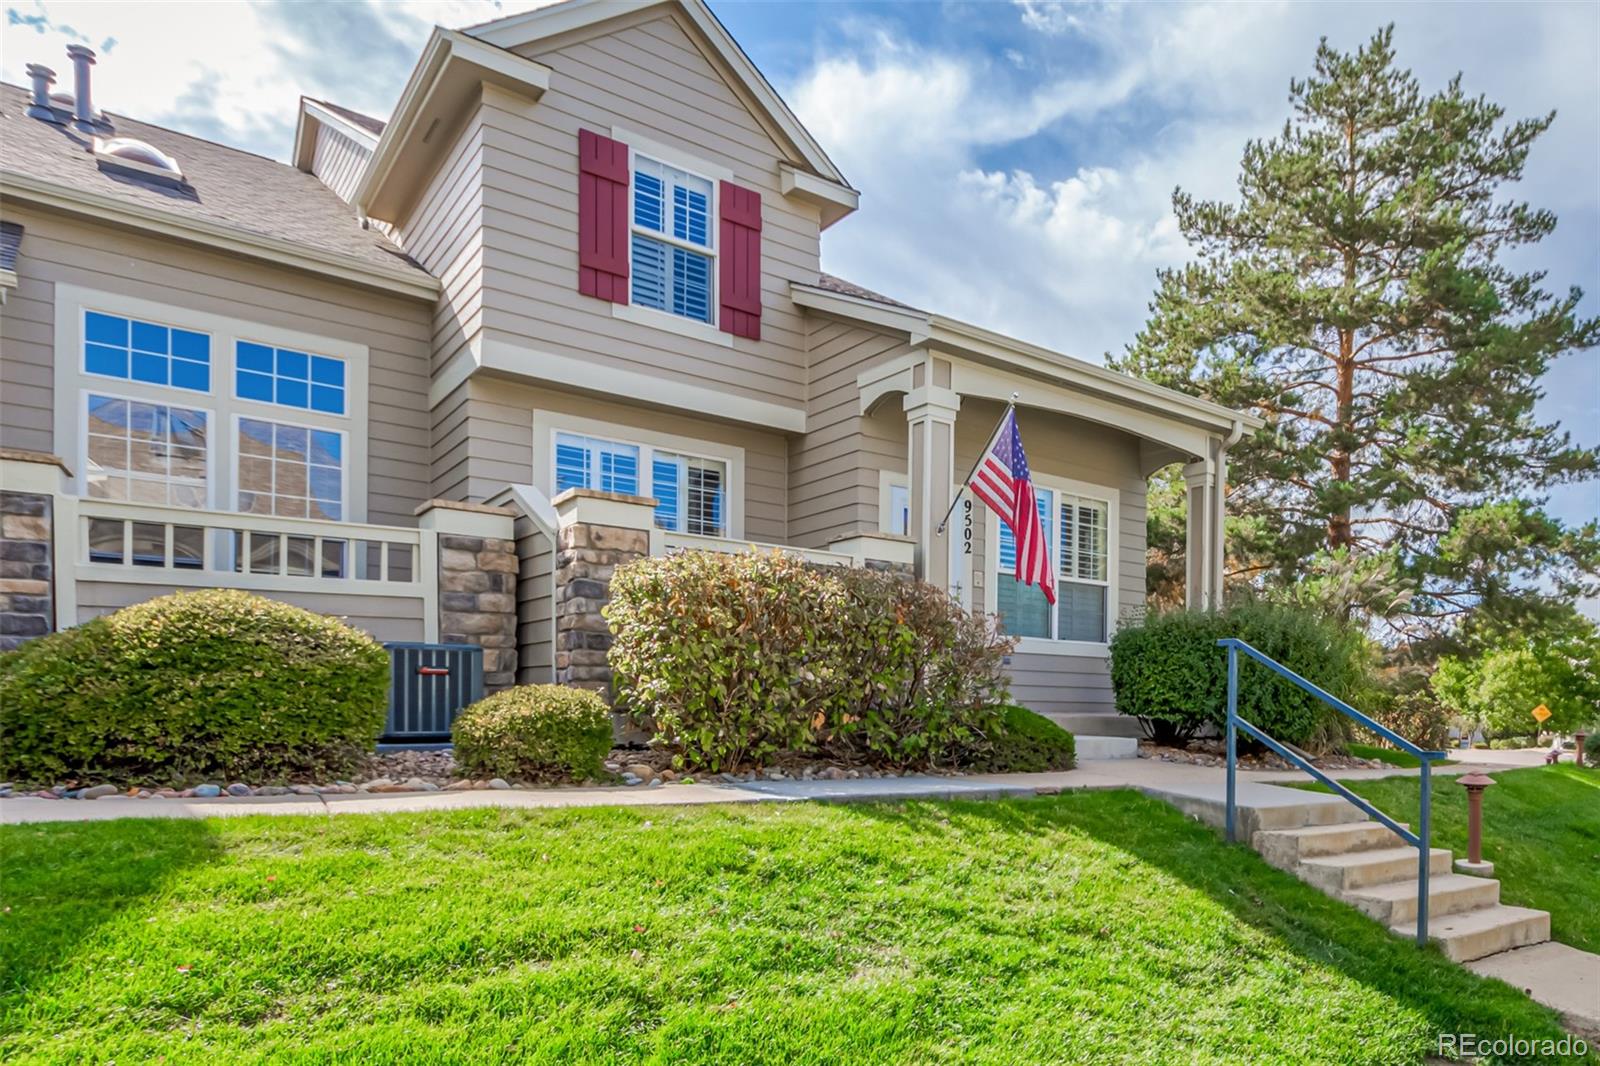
column 1002, row 481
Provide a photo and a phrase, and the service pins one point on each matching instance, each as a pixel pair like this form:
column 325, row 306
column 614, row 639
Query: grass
column 1390, row 756
column 1089, row 927
column 1541, row 829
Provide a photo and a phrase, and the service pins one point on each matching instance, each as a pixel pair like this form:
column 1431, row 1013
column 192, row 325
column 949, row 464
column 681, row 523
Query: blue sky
column 1016, row 160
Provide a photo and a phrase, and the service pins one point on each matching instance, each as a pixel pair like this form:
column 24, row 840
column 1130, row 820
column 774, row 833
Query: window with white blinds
column 691, row 491
column 672, row 246
column 1078, row 529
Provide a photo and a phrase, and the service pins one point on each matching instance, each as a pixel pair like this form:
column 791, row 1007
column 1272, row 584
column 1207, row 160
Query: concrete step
column 1487, row 931
column 1260, row 806
column 1396, row 902
column 1096, row 724
column 1092, row 747
column 1284, row 848
column 1337, row 874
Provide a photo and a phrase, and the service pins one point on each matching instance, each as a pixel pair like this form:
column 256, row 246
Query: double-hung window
column 1077, row 528
column 672, row 250
column 691, row 491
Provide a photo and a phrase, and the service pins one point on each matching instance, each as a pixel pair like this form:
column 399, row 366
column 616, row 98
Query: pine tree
column 1356, row 297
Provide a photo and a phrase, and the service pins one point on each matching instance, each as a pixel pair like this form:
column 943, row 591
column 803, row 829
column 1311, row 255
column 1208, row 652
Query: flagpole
column 1011, row 406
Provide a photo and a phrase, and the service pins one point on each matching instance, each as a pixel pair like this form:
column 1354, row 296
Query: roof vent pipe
column 83, row 107
column 42, row 77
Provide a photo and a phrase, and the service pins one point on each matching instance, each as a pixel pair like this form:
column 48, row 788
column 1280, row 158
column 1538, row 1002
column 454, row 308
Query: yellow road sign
column 1540, row 713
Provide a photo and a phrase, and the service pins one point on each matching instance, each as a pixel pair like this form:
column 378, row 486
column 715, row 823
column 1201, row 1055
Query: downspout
column 1221, row 559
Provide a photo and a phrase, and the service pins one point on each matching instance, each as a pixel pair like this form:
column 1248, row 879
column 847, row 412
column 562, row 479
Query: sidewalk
column 1149, row 775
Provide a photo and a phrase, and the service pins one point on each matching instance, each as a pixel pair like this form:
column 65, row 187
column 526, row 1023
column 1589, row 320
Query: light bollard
column 1474, row 863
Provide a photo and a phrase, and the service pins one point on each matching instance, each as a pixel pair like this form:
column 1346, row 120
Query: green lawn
column 1541, row 829
column 1089, row 927
column 1390, row 755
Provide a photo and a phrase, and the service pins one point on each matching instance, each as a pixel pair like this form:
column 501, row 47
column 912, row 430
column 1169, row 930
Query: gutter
column 171, row 225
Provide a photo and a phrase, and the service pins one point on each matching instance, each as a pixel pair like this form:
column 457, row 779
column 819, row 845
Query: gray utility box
column 428, row 686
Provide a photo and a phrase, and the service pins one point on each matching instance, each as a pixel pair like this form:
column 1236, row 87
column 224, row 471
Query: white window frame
column 344, row 456
column 710, row 332
column 163, row 395
column 1112, row 498
column 73, row 385
column 547, row 424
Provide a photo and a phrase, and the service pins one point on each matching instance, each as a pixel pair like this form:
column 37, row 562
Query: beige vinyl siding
column 56, row 250
column 535, row 622
column 647, row 77
column 385, row 617
column 833, row 487
column 338, row 161
column 486, row 444
column 1062, row 446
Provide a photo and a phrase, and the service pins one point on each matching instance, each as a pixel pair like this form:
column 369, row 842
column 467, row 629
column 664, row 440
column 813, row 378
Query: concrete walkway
column 1150, row 775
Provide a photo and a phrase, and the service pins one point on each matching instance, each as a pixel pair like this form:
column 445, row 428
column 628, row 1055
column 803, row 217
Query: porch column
column 476, row 581
column 596, row 533
column 1203, row 543
column 931, row 415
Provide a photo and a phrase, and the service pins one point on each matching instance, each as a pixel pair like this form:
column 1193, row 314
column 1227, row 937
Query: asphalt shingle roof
column 222, row 185
column 850, row 288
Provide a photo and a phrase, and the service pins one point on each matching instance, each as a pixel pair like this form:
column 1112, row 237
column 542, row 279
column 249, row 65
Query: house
column 563, row 308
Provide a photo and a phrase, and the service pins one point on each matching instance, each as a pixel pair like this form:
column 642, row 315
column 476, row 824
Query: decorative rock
column 168, row 793
column 240, row 789
column 207, row 791
column 417, row 784
column 642, row 770
column 499, row 782
column 303, row 790
column 46, row 794
column 97, row 791
column 458, row 786
column 669, row 775
column 630, row 779
column 776, row 775
column 377, row 784
column 145, row 793
column 272, row 790
column 655, row 782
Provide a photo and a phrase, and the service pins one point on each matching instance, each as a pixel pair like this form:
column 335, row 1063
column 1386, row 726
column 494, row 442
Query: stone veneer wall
column 478, row 602
column 27, row 607
column 586, row 557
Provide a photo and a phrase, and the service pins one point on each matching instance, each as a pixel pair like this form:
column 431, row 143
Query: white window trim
column 709, row 332
column 1112, row 497
column 546, row 424
column 344, row 451
column 81, row 469
column 72, row 384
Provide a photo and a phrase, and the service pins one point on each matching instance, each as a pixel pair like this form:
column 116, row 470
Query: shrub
column 199, row 684
column 534, row 731
column 920, row 680
column 723, row 653
column 736, row 657
column 1026, row 743
column 1169, row 673
column 1417, row 716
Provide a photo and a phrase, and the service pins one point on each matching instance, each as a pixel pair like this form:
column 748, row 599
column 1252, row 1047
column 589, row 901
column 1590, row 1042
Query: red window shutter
column 602, row 217
column 740, row 255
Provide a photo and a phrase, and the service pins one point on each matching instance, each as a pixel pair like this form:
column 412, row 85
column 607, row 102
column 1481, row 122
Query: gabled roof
column 516, row 31
column 247, row 203
column 833, row 283
column 372, row 125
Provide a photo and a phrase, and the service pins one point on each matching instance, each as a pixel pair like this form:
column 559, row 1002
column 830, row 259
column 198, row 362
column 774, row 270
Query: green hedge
column 1169, row 673
column 203, row 684
column 534, row 731
column 1026, row 743
column 736, row 658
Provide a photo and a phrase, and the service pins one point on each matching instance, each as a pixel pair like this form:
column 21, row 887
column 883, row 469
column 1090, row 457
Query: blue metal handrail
column 1419, row 840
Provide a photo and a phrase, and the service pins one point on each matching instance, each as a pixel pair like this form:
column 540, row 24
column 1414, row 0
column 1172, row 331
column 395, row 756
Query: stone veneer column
column 597, row 532
column 477, row 582
column 29, row 483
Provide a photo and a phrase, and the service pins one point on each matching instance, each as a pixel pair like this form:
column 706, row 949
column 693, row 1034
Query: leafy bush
column 921, row 678
column 199, row 684
column 1417, row 716
column 736, row 657
column 724, row 654
column 1169, row 673
column 1026, row 743
column 534, row 731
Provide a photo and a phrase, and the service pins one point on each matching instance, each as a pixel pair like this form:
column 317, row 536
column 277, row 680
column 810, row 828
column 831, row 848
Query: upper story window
column 289, row 378
column 1078, row 530
column 116, row 346
column 672, row 253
